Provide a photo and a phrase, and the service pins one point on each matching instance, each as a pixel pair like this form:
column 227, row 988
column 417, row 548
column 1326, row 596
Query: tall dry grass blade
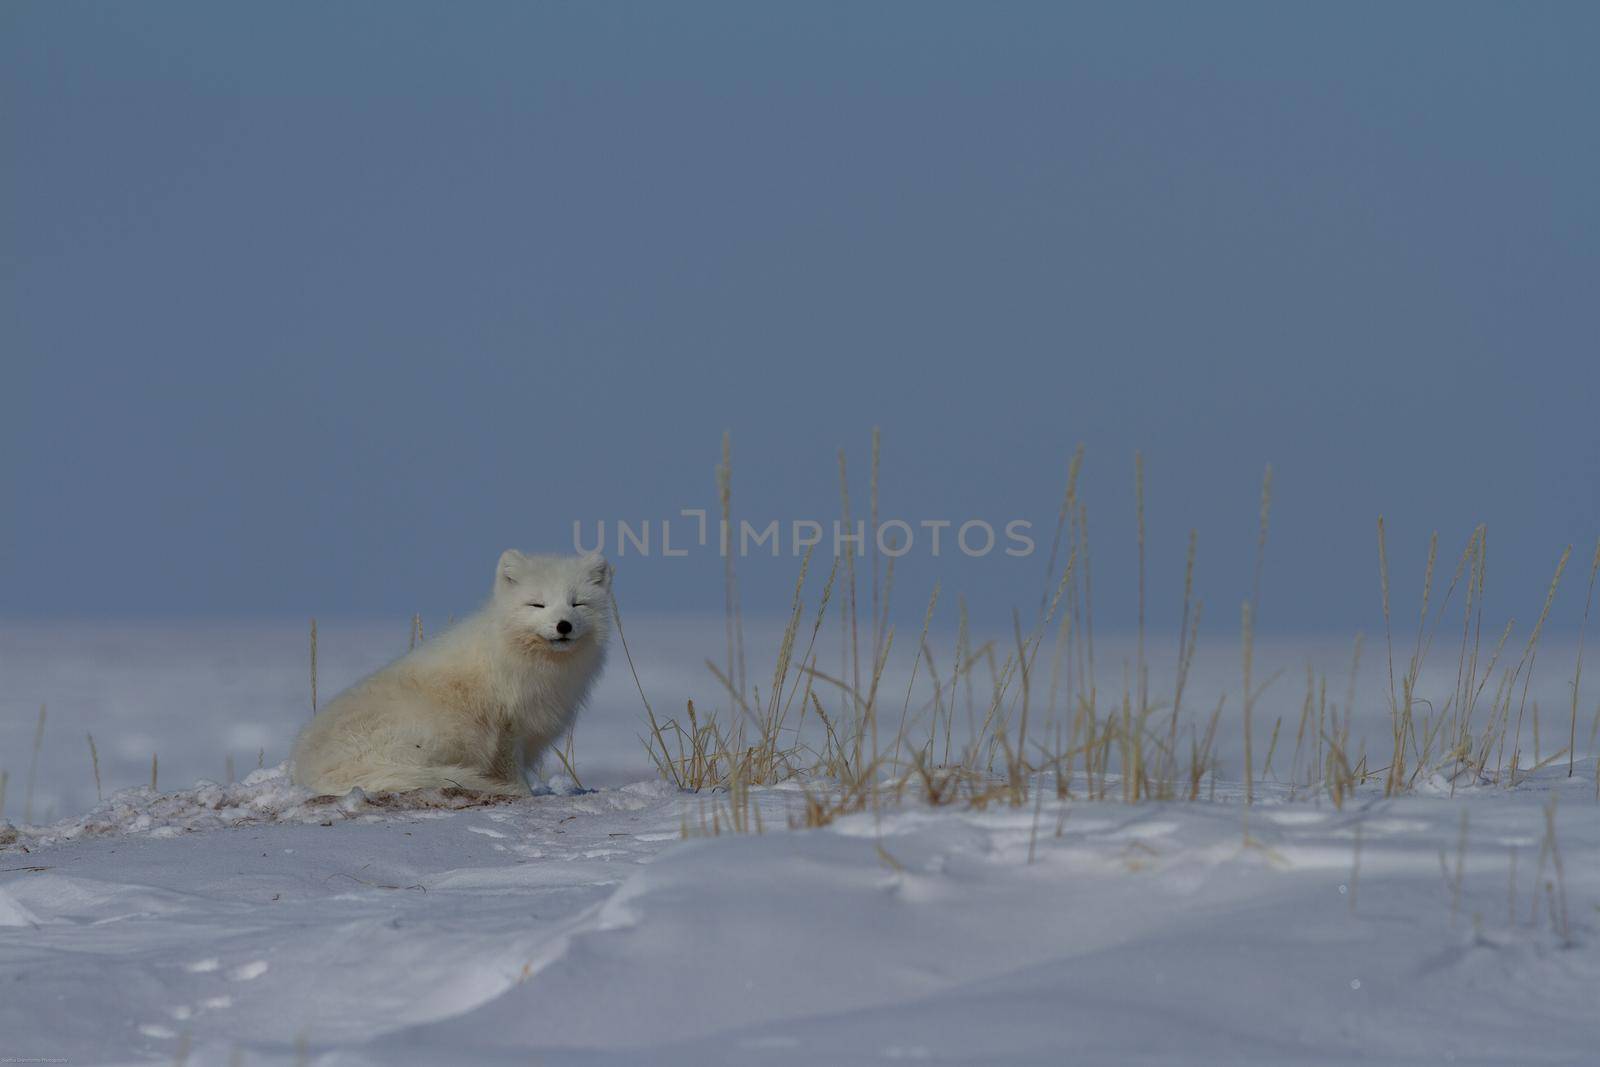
column 1272, row 746
column 1577, row 674
column 566, row 759
column 1186, row 636
column 1388, row 637
column 964, row 655
column 1064, row 635
column 1018, row 772
column 872, row 531
column 747, row 713
column 1068, row 502
column 1247, row 630
column 1247, row 643
column 1059, row 665
column 881, row 625
column 1141, row 673
column 1408, row 684
column 1322, row 719
column 1355, row 670
column 854, row 646
column 655, row 727
column 1531, row 653
column 780, row 669
column 922, row 642
column 1305, row 717
column 1088, row 667
column 94, row 760
column 1200, row 758
column 1536, row 732
column 807, row 661
column 33, row 768
column 872, row 703
column 733, row 615
column 1427, row 589
column 1467, row 658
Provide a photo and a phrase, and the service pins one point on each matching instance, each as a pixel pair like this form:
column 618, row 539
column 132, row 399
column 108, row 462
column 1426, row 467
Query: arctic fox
column 475, row 705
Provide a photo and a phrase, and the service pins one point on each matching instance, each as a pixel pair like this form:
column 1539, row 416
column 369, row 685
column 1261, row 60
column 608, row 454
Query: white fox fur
column 477, row 704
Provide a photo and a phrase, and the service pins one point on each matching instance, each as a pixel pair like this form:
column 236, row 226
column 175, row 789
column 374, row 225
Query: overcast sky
column 314, row 308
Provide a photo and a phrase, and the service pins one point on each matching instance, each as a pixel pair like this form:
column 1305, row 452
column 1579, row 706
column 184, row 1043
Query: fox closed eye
column 531, row 604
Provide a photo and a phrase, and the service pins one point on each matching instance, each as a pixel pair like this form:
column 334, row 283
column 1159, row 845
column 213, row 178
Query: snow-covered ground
column 247, row 922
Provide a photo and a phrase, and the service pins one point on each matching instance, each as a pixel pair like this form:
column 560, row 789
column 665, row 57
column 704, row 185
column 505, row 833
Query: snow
column 250, row 922
column 584, row 928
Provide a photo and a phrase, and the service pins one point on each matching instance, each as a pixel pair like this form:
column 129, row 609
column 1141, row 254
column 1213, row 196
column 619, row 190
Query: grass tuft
column 984, row 723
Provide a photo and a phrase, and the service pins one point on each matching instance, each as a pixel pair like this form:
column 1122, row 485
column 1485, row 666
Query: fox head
column 554, row 603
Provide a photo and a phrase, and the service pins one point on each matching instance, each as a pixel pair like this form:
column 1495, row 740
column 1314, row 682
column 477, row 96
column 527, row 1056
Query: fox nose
column 563, row 627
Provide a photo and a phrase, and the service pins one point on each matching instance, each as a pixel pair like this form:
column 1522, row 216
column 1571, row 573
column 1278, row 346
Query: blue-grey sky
column 313, row 308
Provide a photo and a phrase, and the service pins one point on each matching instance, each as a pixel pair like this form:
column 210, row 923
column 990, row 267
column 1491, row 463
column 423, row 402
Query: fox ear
column 597, row 570
column 505, row 570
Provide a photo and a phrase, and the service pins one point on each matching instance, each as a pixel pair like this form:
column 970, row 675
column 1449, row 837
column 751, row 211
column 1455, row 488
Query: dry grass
column 1577, row 672
column 735, row 667
column 990, row 722
column 94, row 760
column 1251, row 612
column 567, row 754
